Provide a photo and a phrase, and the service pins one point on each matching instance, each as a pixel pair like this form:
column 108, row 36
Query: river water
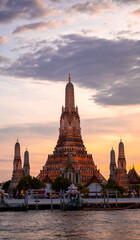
column 70, row 225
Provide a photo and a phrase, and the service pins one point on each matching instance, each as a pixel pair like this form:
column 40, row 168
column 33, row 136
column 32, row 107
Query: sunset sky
column 98, row 43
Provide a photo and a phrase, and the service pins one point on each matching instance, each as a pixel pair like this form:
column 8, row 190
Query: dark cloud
column 112, row 67
column 55, row 1
column 108, row 125
column 4, row 59
column 120, row 95
column 39, row 26
column 90, row 7
column 5, row 160
column 2, row 3
column 28, row 9
column 124, row 2
column 125, row 32
column 23, row 130
column 136, row 33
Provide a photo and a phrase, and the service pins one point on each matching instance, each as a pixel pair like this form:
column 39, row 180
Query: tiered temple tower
column 119, row 173
column 122, row 177
column 17, row 167
column 70, row 158
column 26, row 166
column 112, row 165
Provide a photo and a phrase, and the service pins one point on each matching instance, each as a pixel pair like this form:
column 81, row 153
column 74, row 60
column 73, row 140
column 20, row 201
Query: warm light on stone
column 70, row 158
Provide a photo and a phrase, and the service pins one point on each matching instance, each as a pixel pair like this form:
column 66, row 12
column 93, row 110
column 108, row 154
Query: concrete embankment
column 38, row 204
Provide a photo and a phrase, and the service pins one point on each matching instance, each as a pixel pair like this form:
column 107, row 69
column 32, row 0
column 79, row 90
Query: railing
column 60, row 199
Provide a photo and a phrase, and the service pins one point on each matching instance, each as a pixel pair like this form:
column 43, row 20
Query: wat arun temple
column 70, row 158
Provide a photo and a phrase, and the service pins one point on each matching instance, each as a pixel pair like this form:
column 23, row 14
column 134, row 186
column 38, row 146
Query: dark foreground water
column 74, row 225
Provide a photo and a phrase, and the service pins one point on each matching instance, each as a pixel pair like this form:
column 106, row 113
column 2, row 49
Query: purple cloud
column 112, row 67
column 124, row 2
column 90, row 7
column 4, row 59
column 39, row 26
column 26, row 9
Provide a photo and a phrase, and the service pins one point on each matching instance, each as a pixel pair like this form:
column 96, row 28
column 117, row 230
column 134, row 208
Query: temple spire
column 70, row 158
column 121, row 149
column 17, row 150
column 69, row 95
column 17, row 168
column 112, row 164
column 122, row 177
column 69, row 78
column 121, row 157
column 26, row 166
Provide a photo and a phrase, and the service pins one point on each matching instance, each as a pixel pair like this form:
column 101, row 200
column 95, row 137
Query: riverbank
column 58, row 203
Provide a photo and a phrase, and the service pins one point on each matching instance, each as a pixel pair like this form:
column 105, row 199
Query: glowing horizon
column 98, row 43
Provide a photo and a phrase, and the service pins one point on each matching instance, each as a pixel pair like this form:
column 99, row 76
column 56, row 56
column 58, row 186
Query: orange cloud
column 137, row 12
column 3, row 40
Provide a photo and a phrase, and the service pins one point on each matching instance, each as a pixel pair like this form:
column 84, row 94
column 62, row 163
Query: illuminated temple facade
column 70, row 158
column 119, row 173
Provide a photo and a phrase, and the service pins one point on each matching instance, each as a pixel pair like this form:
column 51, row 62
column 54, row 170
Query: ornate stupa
column 26, row 166
column 112, row 165
column 122, row 177
column 17, row 167
column 119, row 173
column 70, row 158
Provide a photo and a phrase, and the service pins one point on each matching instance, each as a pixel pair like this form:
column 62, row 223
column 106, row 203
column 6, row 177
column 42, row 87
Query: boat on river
column 110, row 207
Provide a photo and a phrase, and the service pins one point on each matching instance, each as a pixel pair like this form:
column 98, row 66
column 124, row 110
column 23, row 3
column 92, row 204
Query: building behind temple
column 118, row 171
column 18, row 171
column 70, row 158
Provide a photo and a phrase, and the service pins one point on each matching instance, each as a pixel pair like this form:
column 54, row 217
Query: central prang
column 70, row 158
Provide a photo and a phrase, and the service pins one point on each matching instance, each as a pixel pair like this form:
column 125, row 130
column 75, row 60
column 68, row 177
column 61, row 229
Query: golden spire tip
column 69, row 77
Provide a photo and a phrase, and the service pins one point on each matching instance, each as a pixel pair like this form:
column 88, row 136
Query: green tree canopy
column 28, row 182
column 61, row 183
column 113, row 185
column 6, row 185
column 83, row 190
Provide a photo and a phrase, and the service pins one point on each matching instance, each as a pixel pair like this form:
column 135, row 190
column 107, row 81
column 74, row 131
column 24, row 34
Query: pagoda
column 26, row 166
column 18, row 171
column 112, row 165
column 122, row 177
column 17, row 168
column 70, row 158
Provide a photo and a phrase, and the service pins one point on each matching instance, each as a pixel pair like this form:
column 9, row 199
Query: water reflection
column 74, row 225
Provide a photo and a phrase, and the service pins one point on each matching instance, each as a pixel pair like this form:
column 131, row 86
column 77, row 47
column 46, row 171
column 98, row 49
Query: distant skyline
column 98, row 43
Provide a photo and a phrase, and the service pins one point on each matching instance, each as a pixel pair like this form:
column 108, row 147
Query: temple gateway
column 70, row 158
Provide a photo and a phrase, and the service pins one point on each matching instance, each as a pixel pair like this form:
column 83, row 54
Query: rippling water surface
column 70, row 225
